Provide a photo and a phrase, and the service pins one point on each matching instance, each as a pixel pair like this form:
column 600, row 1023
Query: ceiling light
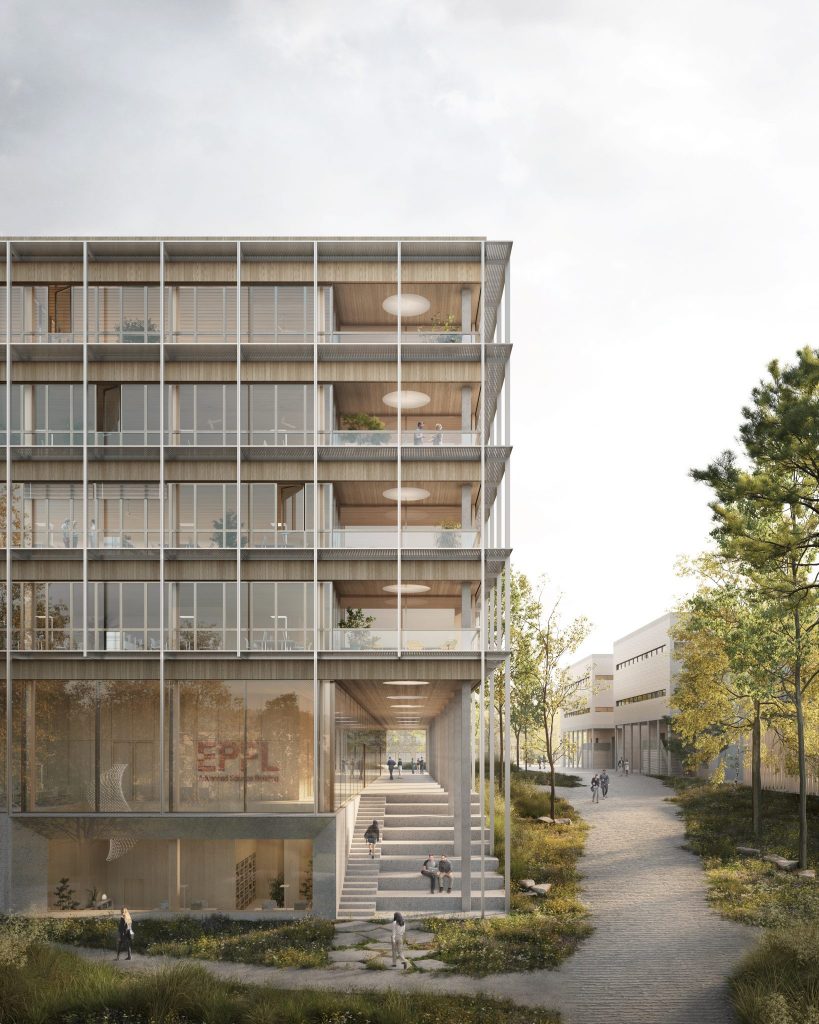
column 406, row 399
column 405, row 494
column 406, row 588
column 407, row 304
column 405, row 682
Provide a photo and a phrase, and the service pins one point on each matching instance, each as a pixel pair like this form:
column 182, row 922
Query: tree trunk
column 517, row 748
column 800, row 743
column 756, row 769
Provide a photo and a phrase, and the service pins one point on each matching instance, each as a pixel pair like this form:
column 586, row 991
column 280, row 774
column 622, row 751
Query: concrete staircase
column 416, row 821
column 358, row 896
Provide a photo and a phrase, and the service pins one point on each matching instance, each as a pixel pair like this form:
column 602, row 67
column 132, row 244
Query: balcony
column 435, row 641
column 415, row 537
column 417, row 438
column 418, row 336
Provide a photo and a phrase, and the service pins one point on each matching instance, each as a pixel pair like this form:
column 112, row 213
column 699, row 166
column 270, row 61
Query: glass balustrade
column 418, row 437
column 351, row 537
column 418, row 336
column 377, row 639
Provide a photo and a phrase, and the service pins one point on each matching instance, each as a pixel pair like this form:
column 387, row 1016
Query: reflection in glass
column 359, row 747
column 241, row 746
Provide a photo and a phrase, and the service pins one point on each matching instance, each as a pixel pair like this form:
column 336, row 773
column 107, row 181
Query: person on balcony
column 438, row 436
column 418, row 437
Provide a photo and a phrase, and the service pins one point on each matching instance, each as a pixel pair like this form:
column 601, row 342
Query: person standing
column 125, row 931
column 418, row 437
column 604, row 783
column 412, row 764
column 438, row 436
column 626, row 767
column 430, row 871
column 397, row 939
column 391, row 765
column 400, row 766
column 595, row 789
column 372, row 836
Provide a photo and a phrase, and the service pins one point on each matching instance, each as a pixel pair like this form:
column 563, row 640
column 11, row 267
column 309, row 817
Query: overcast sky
column 655, row 163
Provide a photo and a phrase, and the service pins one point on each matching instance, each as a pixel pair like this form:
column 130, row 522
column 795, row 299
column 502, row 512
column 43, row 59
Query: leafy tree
column 730, row 680
column 557, row 691
column 766, row 514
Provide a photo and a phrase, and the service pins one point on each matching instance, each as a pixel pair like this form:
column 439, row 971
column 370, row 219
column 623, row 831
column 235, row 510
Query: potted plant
column 365, row 421
column 447, row 537
column 277, row 890
column 447, row 328
column 356, row 620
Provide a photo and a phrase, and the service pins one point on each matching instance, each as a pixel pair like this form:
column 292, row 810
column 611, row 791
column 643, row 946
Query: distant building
column 589, row 730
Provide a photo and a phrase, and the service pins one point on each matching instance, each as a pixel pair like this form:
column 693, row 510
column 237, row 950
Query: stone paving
column 659, row 954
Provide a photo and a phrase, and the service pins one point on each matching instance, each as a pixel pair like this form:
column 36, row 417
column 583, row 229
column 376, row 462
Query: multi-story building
column 588, row 730
column 624, row 711
column 256, row 513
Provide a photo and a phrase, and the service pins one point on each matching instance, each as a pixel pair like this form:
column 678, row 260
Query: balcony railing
column 123, row 438
column 208, row 538
column 418, row 438
column 373, row 639
column 418, row 336
column 351, row 537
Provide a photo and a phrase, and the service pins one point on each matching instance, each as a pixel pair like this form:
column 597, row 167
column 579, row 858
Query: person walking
column 620, row 766
column 430, row 871
column 391, row 765
column 412, row 764
column 595, row 789
column 444, row 872
column 400, row 766
column 626, row 767
column 372, row 836
column 125, row 932
column 397, row 939
column 604, row 783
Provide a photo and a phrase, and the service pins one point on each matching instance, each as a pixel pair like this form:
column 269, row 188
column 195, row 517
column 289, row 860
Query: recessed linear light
column 404, row 682
column 411, row 707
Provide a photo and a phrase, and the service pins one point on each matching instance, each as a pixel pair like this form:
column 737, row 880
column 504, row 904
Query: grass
column 778, row 982
column 285, row 944
column 717, row 820
column 539, row 933
column 56, row 987
column 541, row 778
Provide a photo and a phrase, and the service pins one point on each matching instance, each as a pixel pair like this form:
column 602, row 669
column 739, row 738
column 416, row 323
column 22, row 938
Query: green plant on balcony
column 447, row 329
column 448, row 535
column 363, row 423
column 359, row 622
column 135, row 332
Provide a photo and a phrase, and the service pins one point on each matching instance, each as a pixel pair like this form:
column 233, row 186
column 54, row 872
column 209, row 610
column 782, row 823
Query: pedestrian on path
column 626, row 767
column 604, row 783
column 125, row 931
column 400, row 766
column 372, row 836
column 595, row 789
column 391, row 765
column 620, row 766
column 397, row 939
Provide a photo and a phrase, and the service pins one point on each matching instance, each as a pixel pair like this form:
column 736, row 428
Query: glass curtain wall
column 123, row 616
column 86, row 745
column 47, row 515
column 46, row 617
column 239, row 745
column 46, row 414
column 123, row 414
column 360, row 748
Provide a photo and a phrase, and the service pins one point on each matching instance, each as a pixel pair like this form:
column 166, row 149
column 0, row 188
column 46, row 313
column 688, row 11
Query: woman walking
column 595, row 789
column 398, row 929
column 372, row 836
column 125, row 930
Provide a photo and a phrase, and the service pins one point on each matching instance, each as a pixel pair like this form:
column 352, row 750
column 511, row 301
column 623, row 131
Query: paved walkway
column 659, row 954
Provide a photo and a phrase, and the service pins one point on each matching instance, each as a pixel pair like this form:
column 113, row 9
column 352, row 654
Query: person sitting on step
column 444, row 872
column 430, row 871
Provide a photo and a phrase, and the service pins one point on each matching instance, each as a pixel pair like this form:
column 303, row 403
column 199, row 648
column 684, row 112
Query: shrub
column 778, row 982
column 18, row 937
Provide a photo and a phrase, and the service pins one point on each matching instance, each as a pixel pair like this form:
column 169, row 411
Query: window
column 641, row 697
column 640, row 657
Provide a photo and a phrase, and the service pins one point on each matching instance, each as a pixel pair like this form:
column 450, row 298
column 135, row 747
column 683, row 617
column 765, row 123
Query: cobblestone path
column 659, row 954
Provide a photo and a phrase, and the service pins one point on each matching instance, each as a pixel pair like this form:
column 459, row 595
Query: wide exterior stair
column 416, row 822
column 358, row 896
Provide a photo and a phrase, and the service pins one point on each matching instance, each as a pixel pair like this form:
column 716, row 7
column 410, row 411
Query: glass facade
column 360, row 748
column 241, row 746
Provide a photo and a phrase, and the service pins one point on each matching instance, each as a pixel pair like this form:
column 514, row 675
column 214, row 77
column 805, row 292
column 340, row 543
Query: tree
column 730, row 679
column 557, row 692
column 766, row 515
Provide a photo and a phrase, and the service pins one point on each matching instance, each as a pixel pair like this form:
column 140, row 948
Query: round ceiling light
column 406, row 399
column 407, row 304
column 405, row 588
column 405, row 682
column 405, row 494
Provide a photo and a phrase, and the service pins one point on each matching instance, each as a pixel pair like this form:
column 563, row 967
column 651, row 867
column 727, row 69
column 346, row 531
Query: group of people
column 438, row 871
column 437, row 437
column 71, row 534
column 599, row 784
column 392, row 765
column 624, row 767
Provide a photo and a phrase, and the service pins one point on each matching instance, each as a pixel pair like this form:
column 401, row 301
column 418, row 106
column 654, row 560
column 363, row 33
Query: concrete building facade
column 257, row 512
column 589, row 730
